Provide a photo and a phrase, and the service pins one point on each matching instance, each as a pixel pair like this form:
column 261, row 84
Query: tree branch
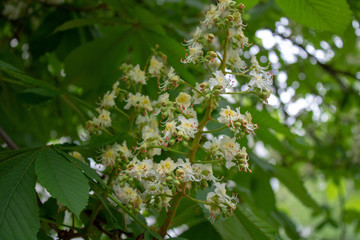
column 7, row 139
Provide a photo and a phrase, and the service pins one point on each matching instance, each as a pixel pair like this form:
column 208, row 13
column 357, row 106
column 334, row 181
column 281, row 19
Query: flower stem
column 169, row 149
column 241, row 74
column 170, row 215
column 197, row 200
column 240, row 92
column 203, row 122
column 208, row 67
column 99, row 204
column 211, row 161
column 192, row 87
column 214, row 130
column 223, row 62
column 132, row 215
column 107, row 131
column 122, row 112
column 60, row 224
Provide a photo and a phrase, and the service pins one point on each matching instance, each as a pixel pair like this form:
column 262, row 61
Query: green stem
column 241, row 92
column 214, row 130
column 60, row 224
column 99, row 205
column 212, row 119
column 192, row 87
column 203, row 122
column 122, row 112
column 132, row 215
column 169, row 149
column 197, row 200
column 214, row 50
column 208, row 67
column 211, row 161
column 223, row 62
column 241, row 74
column 107, row 131
column 13, row 81
column 93, row 217
column 171, row 213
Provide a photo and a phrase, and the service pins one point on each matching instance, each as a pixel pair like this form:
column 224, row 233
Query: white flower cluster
column 175, row 123
column 159, row 181
column 103, row 120
column 226, row 16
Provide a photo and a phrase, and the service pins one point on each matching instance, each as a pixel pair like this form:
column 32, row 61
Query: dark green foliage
column 69, row 54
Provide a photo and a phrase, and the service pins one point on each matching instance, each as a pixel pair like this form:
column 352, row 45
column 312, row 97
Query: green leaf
column 14, row 72
column 288, row 225
column 35, row 96
column 62, row 179
column 204, row 230
column 329, row 15
column 91, row 173
column 97, row 62
column 85, row 22
column 248, row 3
column 290, row 179
column 19, row 212
column 244, row 225
column 43, row 236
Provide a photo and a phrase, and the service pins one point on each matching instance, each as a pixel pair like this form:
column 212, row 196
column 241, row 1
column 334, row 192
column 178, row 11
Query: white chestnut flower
column 108, row 99
column 104, row 119
column 188, row 126
column 228, row 116
column 155, row 67
column 219, row 80
column 183, row 100
column 137, row 75
column 230, row 149
column 109, row 155
column 166, row 166
column 195, row 52
column 128, row 195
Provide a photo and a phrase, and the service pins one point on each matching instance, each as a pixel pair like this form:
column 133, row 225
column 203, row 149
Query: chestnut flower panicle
column 159, row 159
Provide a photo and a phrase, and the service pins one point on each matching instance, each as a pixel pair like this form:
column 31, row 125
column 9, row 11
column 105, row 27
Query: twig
column 7, row 139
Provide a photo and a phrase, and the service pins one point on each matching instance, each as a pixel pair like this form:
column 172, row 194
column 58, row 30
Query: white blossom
column 188, row 126
column 155, row 67
column 219, row 80
column 137, row 75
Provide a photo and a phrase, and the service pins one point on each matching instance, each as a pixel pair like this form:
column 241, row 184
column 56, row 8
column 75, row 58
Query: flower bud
column 204, row 84
column 179, row 172
column 216, row 92
column 210, row 37
column 146, row 213
column 152, row 188
column 180, row 135
column 204, row 184
column 172, row 141
column 186, row 137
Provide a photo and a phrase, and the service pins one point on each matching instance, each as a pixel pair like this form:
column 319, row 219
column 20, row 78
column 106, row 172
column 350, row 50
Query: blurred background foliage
column 58, row 56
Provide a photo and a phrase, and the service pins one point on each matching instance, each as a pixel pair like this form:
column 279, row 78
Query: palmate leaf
column 62, row 179
column 88, row 171
column 19, row 212
column 97, row 62
column 244, row 225
column 330, row 15
column 290, row 179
